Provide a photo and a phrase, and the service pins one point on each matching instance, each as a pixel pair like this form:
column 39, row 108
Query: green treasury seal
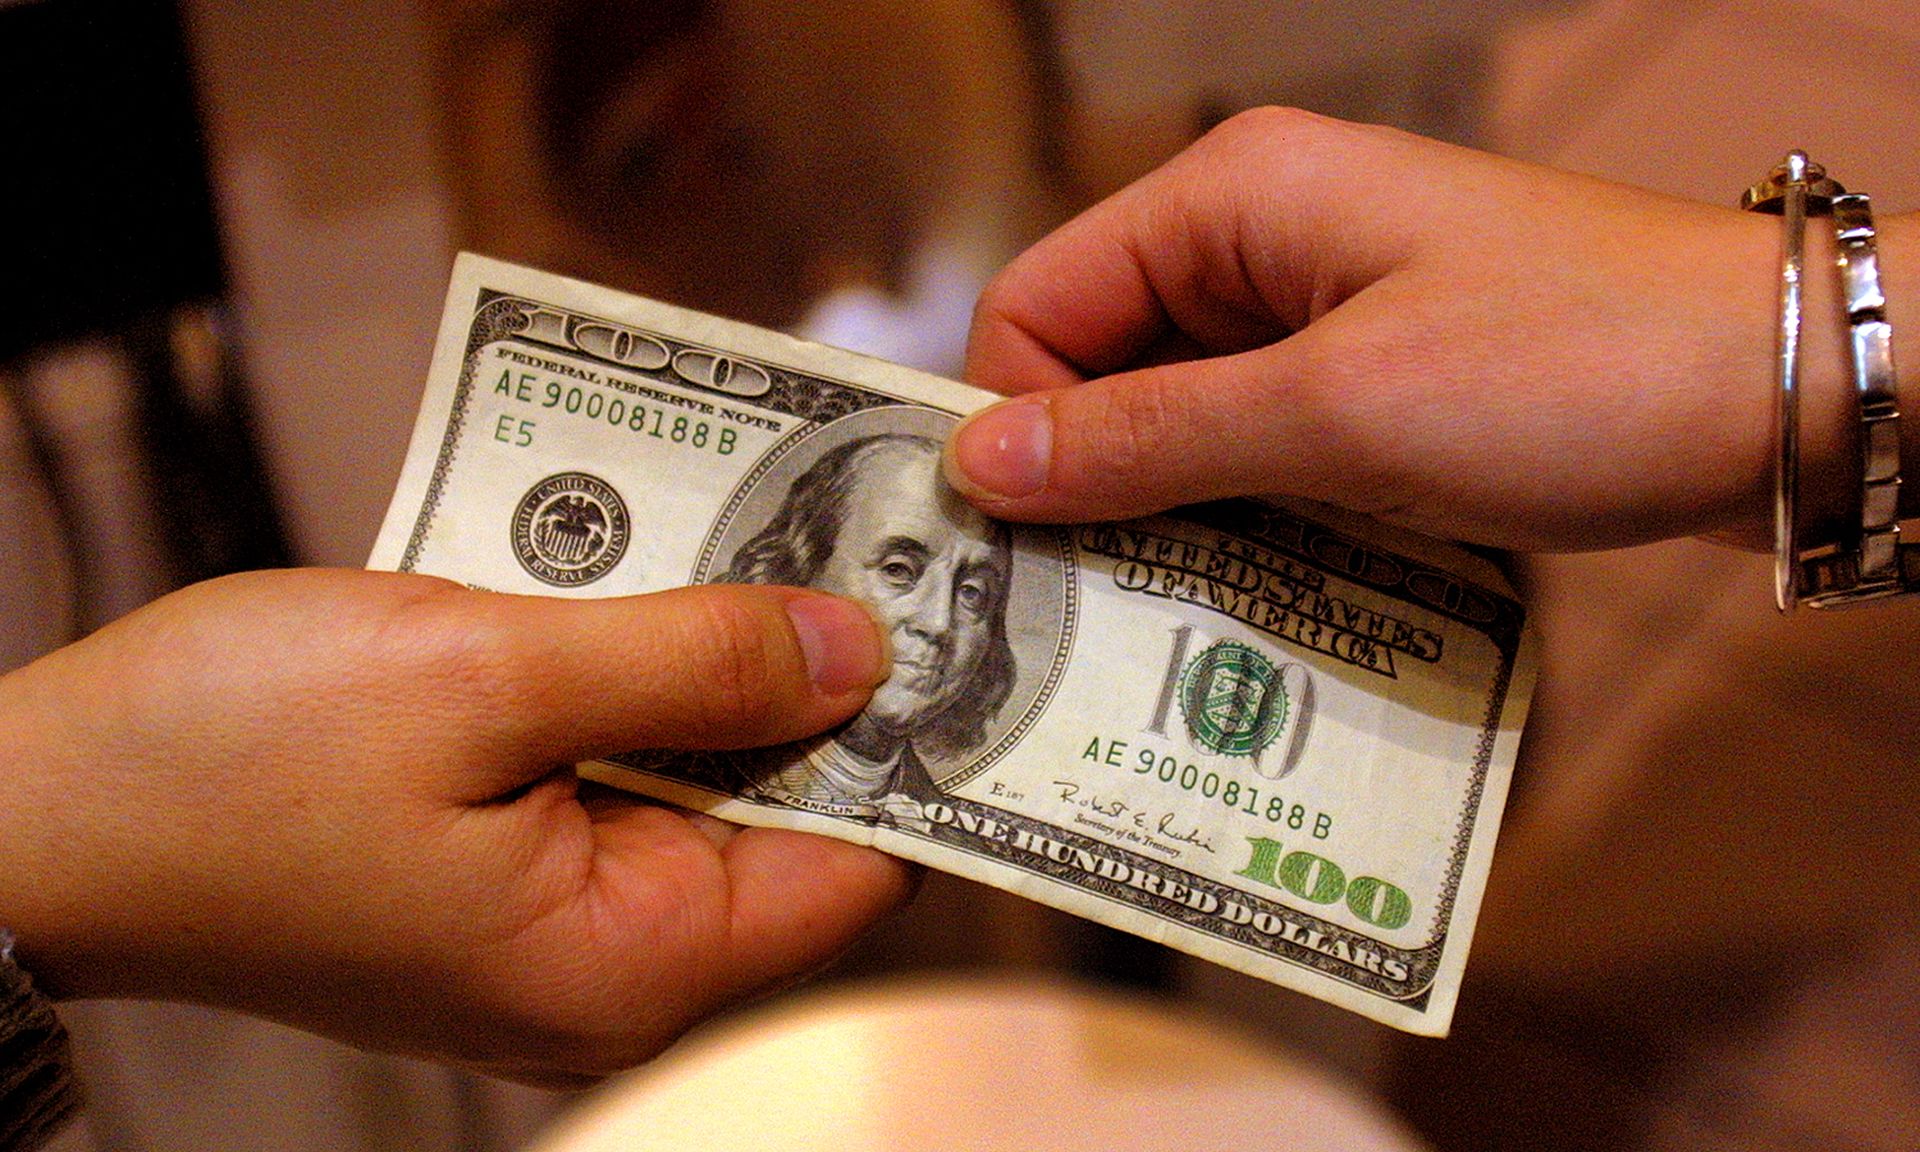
column 1233, row 699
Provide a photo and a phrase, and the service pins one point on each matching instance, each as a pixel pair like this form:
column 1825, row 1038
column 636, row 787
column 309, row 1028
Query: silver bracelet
column 1874, row 563
column 1789, row 190
column 1870, row 562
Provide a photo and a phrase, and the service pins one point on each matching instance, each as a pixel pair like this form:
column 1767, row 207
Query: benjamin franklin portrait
column 872, row 520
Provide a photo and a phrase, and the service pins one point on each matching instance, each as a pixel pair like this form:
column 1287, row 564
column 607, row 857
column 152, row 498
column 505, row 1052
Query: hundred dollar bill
column 1268, row 734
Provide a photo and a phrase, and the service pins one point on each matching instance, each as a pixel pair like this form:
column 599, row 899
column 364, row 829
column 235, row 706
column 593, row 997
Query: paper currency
column 1272, row 735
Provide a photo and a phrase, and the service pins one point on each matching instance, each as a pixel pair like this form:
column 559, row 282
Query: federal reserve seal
column 570, row 529
column 1234, row 699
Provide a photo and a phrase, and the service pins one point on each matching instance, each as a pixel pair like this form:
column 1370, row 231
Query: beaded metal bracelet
column 1869, row 562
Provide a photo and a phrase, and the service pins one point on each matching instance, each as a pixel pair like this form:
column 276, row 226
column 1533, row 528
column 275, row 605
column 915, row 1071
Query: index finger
column 1222, row 250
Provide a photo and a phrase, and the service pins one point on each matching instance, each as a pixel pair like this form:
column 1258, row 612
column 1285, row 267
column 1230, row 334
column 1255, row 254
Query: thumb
column 711, row 667
column 1142, row 441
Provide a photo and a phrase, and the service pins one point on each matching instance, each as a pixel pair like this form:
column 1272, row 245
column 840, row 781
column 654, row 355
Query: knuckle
column 441, row 635
column 740, row 662
column 1294, row 146
column 1008, row 340
column 994, row 304
column 1267, row 125
column 1128, row 426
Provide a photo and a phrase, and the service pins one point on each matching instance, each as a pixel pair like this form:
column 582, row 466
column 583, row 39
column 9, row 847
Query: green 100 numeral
column 1321, row 881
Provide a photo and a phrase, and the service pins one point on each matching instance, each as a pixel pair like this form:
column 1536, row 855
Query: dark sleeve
column 37, row 1090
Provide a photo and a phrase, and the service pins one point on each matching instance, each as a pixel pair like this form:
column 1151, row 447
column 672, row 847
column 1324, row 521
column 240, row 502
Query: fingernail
column 1003, row 452
column 841, row 641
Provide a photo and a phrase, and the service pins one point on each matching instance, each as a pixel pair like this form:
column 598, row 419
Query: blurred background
column 229, row 230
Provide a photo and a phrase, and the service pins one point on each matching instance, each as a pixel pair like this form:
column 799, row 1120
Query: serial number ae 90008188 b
column 1170, row 771
column 598, row 403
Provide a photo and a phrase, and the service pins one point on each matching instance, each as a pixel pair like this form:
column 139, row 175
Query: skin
column 344, row 801
column 933, row 577
column 1519, row 357
column 1459, row 343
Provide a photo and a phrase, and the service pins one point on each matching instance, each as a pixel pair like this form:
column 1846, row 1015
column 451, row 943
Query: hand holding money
column 331, row 798
column 1272, row 735
column 1472, row 347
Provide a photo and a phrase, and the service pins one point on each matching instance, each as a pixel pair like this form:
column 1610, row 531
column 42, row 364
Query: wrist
column 1739, row 446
